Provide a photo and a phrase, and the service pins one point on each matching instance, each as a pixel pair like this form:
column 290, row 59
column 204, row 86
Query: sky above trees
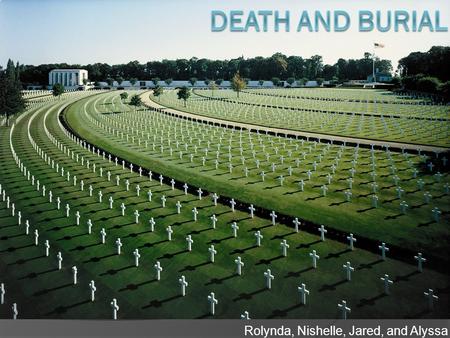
column 83, row 32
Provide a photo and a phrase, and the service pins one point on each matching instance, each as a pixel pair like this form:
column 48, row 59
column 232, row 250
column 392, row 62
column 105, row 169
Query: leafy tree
column 158, row 91
column 119, row 80
column 276, row 81
column 278, row 62
column 219, row 82
column 136, row 101
column 410, row 82
column 123, row 96
column 314, row 66
column 329, row 71
column 192, row 81
column 133, row 81
column 302, row 81
column 238, row 83
column 319, row 80
column 168, row 81
column 85, row 81
column 444, row 90
column 11, row 100
column 183, row 94
column 290, row 81
column 206, row 82
column 212, row 87
column 110, row 81
column 428, row 84
column 432, row 63
column 261, row 82
column 396, row 82
column 58, row 90
column 155, row 81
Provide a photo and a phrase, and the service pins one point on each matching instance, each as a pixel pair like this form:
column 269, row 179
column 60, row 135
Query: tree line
column 427, row 72
column 258, row 68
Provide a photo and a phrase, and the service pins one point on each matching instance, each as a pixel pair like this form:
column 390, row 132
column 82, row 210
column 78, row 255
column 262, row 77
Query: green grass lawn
column 416, row 230
column 406, row 122
column 42, row 291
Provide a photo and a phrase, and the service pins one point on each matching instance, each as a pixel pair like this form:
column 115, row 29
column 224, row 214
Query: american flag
column 378, row 45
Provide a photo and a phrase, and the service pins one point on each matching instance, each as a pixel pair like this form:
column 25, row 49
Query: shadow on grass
column 364, row 210
column 32, row 275
column 218, row 281
column 158, row 303
column 82, row 247
column 23, row 261
column 337, row 254
column 332, row 287
column 206, row 315
column 58, row 228
column 283, row 312
column 198, row 232
column 69, row 237
column 393, row 216
column 259, row 228
column 217, row 241
column 4, row 238
column 337, row 203
column 64, row 309
column 307, row 245
column 172, row 255
column 193, row 267
column 46, row 291
column 149, row 245
column 298, row 273
column 136, row 234
column 313, row 198
column 292, row 192
column 112, row 272
column 248, row 296
column 98, row 259
column 406, row 277
column 370, row 301
column 241, row 251
column 425, row 224
column 284, row 236
column 132, row 287
column 12, row 249
column 268, row 261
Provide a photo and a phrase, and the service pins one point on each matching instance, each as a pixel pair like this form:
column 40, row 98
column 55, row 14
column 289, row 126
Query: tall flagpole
column 373, row 63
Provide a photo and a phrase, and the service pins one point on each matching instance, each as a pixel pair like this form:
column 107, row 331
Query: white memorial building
column 69, row 78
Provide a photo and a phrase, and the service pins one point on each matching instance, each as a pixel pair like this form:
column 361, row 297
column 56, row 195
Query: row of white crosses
column 59, row 257
column 350, row 238
column 47, row 252
column 348, row 193
column 313, row 117
column 133, row 115
column 240, row 264
column 137, row 264
column 137, row 256
column 258, row 236
column 36, row 232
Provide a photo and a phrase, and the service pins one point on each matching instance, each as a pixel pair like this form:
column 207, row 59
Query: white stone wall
column 199, row 84
column 69, row 78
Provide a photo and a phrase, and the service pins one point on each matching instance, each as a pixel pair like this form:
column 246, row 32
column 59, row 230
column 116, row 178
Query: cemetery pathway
column 329, row 137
